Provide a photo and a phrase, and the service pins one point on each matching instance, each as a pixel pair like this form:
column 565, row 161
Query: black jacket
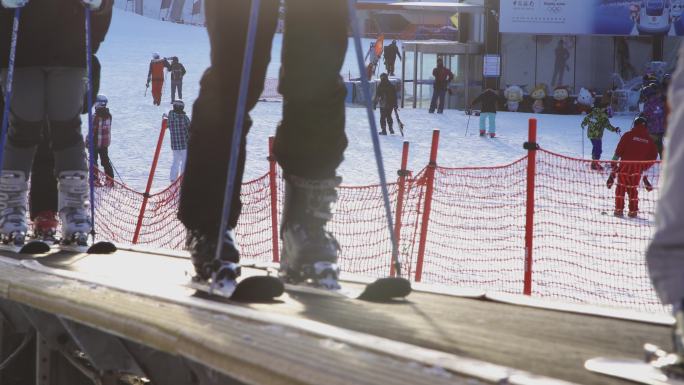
column 52, row 33
column 392, row 52
column 489, row 100
column 386, row 95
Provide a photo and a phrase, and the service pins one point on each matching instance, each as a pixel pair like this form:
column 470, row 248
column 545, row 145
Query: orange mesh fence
column 582, row 252
column 476, row 231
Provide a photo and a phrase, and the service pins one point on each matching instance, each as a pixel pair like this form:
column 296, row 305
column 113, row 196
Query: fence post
column 274, row 199
column 150, row 179
column 531, row 146
column 403, row 173
column 430, row 175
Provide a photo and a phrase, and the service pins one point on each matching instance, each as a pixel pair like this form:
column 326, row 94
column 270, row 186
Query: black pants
column 386, row 119
column 310, row 139
column 103, row 154
column 43, row 193
column 389, row 66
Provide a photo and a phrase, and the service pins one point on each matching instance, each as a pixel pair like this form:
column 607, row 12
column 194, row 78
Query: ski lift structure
column 463, row 59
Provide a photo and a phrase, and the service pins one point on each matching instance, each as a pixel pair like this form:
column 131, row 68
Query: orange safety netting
column 475, row 235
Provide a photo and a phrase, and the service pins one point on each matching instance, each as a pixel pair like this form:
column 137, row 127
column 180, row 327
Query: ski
column 381, row 290
column 31, row 247
column 250, row 289
column 100, row 247
column 656, row 369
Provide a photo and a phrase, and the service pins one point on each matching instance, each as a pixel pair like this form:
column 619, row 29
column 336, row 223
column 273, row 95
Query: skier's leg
column 620, row 191
column 174, row 166
column 213, row 115
column 433, row 102
column 315, row 31
column 180, row 89
column 106, row 162
column 483, row 123
column 388, row 117
column 633, row 194
column 173, row 90
column 442, row 99
column 183, row 158
column 25, row 126
column 383, row 121
column 64, row 98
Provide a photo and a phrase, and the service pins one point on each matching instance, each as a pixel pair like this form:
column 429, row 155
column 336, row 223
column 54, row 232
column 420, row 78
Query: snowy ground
column 125, row 57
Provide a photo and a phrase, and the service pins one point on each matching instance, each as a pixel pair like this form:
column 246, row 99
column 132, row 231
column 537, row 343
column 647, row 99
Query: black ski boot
column 310, row 252
column 223, row 273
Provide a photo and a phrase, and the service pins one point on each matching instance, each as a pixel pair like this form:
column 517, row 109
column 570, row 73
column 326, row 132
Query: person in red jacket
column 156, row 76
column 443, row 76
column 636, row 153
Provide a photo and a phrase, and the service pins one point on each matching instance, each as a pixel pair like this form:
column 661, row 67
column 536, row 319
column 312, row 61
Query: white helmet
column 155, row 55
column 101, row 101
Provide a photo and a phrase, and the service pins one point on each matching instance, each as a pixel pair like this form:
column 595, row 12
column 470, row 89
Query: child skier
column 597, row 121
column 309, row 144
column 635, row 153
column 156, row 76
column 386, row 96
column 177, row 72
column 102, row 134
column 49, row 85
column 654, row 112
column 179, row 124
column 489, row 100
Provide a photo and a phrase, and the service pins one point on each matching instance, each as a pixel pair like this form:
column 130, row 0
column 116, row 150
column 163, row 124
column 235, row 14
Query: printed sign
column 593, row 17
column 492, row 66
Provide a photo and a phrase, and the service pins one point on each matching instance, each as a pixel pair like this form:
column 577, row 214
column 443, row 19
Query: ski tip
column 386, row 289
column 102, row 247
column 258, row 289
column 35, row 247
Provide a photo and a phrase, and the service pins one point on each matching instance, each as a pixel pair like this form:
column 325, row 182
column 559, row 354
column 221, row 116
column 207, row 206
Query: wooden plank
column 252, row 346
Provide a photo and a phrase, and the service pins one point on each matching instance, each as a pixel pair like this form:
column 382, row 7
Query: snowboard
column 381, row 290
column 249, row 289
column 648, row 371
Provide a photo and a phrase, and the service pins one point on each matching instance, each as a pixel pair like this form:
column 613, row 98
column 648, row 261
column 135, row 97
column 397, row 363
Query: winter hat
column 155, row 55
column 178, row 104
column 101, row 101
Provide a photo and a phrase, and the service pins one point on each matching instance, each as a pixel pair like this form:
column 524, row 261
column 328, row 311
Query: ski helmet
column 155, row 55
column 178, row 104
column 101, row 101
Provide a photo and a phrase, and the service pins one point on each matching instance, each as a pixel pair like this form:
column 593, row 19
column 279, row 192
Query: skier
column 49, row 85
column 391, row 55
column 654, row 112
column 664, row 253
column 179, row 123
column 386, row 96
column 635, row 145
column 102, row 134
column 309, row 144
column 442, row 78
column 597, row 121
column 177, row 72
column 489, row 100
column 156, row 76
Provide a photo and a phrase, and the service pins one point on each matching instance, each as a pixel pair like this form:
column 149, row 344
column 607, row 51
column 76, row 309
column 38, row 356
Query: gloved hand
column 611, row 180
column 647, row 183
column 617, row 130
column 13, row 3
column 94, row 5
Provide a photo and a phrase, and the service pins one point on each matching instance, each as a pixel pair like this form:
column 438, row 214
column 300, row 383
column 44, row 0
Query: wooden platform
column 308, row 339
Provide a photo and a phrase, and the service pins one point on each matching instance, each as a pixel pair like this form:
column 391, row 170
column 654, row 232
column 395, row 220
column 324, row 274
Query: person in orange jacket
column 156, row 76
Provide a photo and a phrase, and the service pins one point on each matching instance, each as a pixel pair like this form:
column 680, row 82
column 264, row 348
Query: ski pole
column 582, row 137
column 8, row 84
column 91, row 139
column 237, row 128
column 373, row 132
column 468, row 122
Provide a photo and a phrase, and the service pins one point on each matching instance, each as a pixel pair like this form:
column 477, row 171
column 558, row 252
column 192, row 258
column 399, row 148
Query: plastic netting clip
column 531, row 146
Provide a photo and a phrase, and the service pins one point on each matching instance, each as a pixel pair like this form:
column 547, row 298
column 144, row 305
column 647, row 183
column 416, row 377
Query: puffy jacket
column 597, row 120
column 52, row 33
column 489, row 100
column 636, row 145
column 386, row 95
column 654, row 111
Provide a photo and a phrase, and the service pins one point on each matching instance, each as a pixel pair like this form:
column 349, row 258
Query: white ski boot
column 310, row 252
column 74, row 206
column 13, row 199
